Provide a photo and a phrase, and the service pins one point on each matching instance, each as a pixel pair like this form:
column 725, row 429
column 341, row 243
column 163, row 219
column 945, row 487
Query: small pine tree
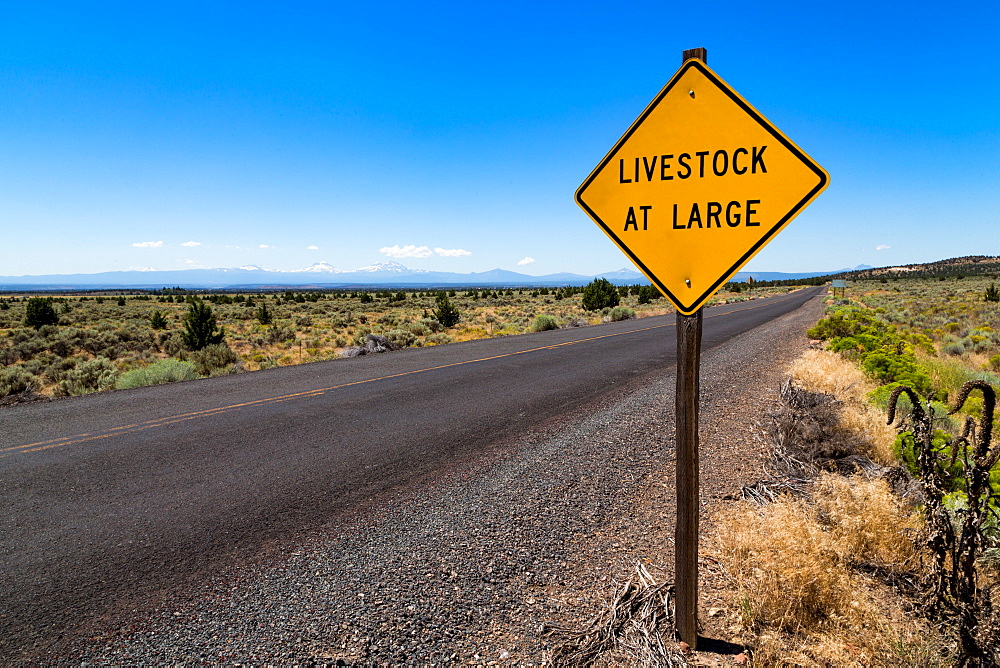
column 264, row 316
column 199, row 327
column 39, row 312
column 992, row 293
column 598, row 294
column 158, row 320
column 446, row 313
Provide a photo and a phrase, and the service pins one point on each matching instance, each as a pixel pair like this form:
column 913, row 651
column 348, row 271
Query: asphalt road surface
column 110, row 498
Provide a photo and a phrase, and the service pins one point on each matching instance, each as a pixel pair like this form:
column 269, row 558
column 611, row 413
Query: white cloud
column 141, row 269
column 189, row 261
column 453, row 252
column 527, row 260
column 191, row 244
column 148, row 244
column 883, row 247
column 398, row 251
column 263, row 246
column 312, row 247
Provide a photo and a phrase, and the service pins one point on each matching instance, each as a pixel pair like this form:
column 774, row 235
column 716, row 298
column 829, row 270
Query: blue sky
column 452, row 136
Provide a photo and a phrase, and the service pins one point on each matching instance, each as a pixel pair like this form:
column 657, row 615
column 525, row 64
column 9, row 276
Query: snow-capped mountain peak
column 390, row 266
column 322, row 268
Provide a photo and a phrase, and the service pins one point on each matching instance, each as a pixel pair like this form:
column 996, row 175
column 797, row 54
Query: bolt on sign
column 698, row 184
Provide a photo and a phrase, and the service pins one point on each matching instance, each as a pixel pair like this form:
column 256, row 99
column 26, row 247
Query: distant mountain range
column 323, row 275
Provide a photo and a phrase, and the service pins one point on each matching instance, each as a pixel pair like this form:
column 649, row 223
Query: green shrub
column 401, row 338
column 158, row 373
column 953, row 349
column 214, row 359
column 16, row 380
column 993, row 364
column 544, row 323
column 172, row 343
column 438, row 339
column 599, row 294
column 887, row 367
column 419, row 328
column 278, row 334
column 431, row 324
column 620, row 313
column 877, row 346
column 94, row 375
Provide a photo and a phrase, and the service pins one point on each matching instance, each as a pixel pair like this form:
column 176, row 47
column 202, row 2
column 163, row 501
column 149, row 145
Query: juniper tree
column 446, row 313
column 200, row 327
column 598, row 294
column 39, row 312
column 157, row 320
column 264, row 316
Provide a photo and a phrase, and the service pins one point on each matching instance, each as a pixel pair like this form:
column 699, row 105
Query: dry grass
column 786, row 568
column 867, row 523
column 802, row 599
column 829, row 373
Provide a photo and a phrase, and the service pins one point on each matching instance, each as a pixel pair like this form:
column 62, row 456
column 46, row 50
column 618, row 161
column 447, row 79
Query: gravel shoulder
column 466, row 565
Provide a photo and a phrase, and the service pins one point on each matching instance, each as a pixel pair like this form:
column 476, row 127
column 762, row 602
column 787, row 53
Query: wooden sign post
column 686, row 531
column 688, row 494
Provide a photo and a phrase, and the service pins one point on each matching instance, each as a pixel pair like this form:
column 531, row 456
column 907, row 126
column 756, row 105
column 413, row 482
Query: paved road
column 109, row 498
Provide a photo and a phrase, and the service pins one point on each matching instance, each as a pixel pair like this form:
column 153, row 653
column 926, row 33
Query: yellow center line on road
column 184, row 417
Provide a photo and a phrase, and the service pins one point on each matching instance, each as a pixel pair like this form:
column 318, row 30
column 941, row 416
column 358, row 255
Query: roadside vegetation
column 72, row 344
column 870, row 544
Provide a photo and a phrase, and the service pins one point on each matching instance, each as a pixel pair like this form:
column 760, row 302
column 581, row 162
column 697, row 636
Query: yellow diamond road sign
column 698, row 185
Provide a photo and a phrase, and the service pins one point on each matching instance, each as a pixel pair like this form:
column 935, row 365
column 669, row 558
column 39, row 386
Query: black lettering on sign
column 695, row 216
column 664, row 166
column 712, row 212
column 737, row 213
column 720, row 161
column 649, row 167
column 758, row 157
column 682, row 159
column 630, row 219
column 736, row 169
column 645, row 216
column 719, row 171
column 733, row 219
column 621, row 172
column 701, row 171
